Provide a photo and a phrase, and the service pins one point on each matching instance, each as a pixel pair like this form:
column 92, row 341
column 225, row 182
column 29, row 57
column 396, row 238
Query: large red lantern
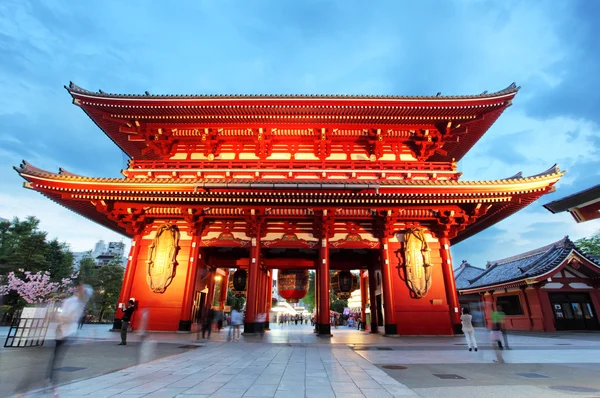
column 292, row 284
column 238, row 283
column 343, row 283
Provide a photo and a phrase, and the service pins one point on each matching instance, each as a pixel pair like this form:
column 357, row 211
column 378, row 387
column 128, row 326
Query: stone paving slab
column 245, row 370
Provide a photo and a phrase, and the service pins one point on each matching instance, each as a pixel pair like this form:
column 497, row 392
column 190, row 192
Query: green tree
column 110, row 279
column 235, row 302
column 59, row 259
column 88, row 271
column 22, row 246
column 589, row 246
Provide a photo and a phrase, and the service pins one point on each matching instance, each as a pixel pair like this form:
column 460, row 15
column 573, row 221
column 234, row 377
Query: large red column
column 127, row 284
column 185, row 319
column 269, row 298
column 373, row 300
column 389, row 316
column 324, row 327
column 449, row 285
column 253, row 293
column 363, row 300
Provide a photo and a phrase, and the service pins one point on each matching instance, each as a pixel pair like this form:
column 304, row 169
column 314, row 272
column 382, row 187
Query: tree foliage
column 589, row 246
column 110, row 279
column 235, row 302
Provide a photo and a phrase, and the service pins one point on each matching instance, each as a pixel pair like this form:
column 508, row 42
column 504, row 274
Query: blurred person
column 127, row 314
column 68, row 319
column 261, row 318
column 81, row 320
column 207, row 322
column 146, row 350
column 498, row 326
column 467, row 327
column 219, row 321
column 236, row 321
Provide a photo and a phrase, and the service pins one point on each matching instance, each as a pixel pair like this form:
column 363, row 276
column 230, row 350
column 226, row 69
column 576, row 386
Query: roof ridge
column 74, row 88
column 561, row 242
column 27, row 167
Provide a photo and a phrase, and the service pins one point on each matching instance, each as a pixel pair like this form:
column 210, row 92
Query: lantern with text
column 292, row 284
column 343, row 283
column 238, row 283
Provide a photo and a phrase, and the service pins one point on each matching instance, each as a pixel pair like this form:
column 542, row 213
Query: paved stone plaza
column 293, row 362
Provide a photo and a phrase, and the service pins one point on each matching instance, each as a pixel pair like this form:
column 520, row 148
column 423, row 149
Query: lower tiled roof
column 526, row 265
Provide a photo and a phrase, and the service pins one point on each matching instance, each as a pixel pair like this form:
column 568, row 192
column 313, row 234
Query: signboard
column 28, row 328
column 346, row 311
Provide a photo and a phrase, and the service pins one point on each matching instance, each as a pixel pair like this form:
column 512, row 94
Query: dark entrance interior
column 573, row 311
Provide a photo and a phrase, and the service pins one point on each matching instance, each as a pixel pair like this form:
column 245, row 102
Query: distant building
column 103, row 254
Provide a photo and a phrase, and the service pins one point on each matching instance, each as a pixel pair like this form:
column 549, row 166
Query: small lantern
column 344, row 283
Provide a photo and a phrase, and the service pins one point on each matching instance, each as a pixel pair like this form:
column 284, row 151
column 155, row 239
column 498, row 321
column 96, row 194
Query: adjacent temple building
column 257, row 183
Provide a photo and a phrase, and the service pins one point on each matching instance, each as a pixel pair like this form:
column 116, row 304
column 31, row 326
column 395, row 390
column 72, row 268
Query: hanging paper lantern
column 238, row 283
column 344, row 283
column 292, row 284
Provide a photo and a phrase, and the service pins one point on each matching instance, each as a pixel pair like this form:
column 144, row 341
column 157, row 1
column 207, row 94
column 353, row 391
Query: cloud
column 460, row 47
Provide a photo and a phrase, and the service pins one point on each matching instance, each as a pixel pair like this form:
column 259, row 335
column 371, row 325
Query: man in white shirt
column 68, row 318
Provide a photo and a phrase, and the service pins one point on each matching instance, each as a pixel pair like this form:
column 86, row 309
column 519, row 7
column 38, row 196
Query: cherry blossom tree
column 37, row 288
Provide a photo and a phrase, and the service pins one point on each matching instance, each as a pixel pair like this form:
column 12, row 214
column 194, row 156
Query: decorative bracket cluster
column 196, row 221
column 255, row 219
column 322, row 145
column 450, row 222
column 212, row 146
column 427, row 142
column 323, row 224
column 262, row 144
column 376, row 143
column 134, row 220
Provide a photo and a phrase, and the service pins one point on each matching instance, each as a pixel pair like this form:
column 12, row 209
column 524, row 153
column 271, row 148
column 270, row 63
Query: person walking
column 127, row 314
column 498, row 326
column 208, row 322
column 236, row 321
column 467, row 327
column 68, row 319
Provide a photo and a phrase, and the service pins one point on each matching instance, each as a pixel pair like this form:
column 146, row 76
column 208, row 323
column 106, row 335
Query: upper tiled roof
column 465, row 273
column 526, row 265
column 73, row 88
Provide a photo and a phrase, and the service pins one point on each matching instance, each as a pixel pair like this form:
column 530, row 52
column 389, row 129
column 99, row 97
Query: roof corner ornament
column 415, row 259
column 162, row 258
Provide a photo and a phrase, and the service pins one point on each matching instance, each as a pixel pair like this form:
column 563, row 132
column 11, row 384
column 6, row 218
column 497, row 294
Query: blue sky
column 317, row 47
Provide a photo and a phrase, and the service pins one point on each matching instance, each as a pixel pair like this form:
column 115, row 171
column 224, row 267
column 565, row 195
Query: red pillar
column 185, row 319
column 373, row 300
column 363, row 300
column 224, row 288
column 388, row 292
column 127, row 284
column 324, row 327
column 269, row 298
column 317, row 299
column 449, row 285
column 252, row 296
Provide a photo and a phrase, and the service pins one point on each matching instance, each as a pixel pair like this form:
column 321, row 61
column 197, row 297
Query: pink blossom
column 37, row 288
